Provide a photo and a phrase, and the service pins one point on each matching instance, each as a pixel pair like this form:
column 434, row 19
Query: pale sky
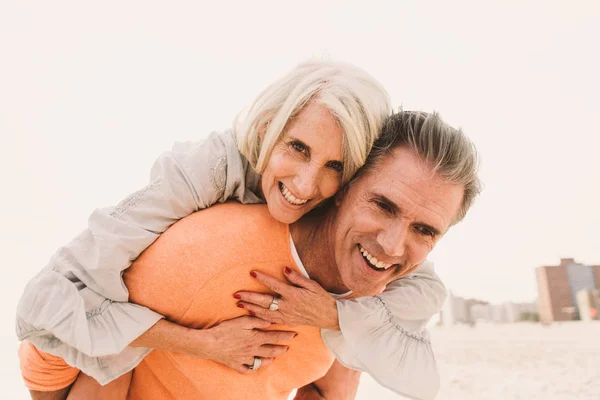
column 92, row 92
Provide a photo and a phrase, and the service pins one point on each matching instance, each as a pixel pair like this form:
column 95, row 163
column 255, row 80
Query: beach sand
column 512, row 361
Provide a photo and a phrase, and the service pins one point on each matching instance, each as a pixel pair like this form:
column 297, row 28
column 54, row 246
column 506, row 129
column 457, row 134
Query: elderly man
column 419, row 180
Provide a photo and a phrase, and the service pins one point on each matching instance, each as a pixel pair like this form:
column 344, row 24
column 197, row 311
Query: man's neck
column 313, row 236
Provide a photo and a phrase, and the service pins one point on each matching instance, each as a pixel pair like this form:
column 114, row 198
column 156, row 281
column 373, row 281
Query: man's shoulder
column 237, row 218
column 231, row 231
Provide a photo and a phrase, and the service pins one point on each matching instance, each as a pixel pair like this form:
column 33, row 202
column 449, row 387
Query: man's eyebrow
column 393, row 206
column 395, row 209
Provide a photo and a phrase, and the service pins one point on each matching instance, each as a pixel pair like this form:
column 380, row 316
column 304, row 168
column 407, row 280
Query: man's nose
column 306, row 182
column 393, row 239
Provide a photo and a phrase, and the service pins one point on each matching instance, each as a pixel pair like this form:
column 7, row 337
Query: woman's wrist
column 331, row 318
column 169, row 336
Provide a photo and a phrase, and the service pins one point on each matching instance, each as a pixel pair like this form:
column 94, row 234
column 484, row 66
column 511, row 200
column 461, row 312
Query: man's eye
column 425, row 231
column 384, row 206
column 299, row 147
column 336, row 166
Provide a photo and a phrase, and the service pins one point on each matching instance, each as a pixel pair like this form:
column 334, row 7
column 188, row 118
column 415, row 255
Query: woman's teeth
column 289, row 196
column 373, row 261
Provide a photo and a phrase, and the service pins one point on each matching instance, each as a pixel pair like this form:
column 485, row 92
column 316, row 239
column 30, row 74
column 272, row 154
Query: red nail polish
column 237, row 296
column 240, row 305
column 253, row 274
column 288, row 271
column 252, row 313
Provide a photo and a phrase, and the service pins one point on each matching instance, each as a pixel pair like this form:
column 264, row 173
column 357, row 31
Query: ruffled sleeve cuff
column 396, row 353
column 89, row 332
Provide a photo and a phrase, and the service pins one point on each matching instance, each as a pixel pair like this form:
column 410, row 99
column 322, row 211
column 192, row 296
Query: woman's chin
column 285, row 212
column 283, row 215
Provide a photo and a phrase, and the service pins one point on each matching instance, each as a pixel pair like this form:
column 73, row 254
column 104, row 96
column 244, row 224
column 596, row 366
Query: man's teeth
column 373, row 260
column 290, row 197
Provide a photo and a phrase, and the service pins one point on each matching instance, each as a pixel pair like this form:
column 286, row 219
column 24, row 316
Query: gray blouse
column 77, row 306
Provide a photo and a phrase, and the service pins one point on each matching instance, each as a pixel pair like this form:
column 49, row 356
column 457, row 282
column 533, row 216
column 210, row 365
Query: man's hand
column 301, row 301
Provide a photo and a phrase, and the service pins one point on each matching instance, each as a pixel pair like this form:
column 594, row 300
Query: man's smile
column 372, row 261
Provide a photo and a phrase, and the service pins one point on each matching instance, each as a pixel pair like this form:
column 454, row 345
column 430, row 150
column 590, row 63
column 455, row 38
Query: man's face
column 390, row 219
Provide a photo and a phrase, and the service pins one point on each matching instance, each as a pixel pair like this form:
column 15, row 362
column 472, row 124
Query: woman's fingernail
column 294, row 335
column 252, row 313
column 253, row 274
column 240, row 305
column 237, row 296
column 288, row 271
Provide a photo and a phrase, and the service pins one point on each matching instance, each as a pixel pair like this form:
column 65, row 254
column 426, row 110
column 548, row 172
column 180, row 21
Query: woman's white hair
column 356, row 100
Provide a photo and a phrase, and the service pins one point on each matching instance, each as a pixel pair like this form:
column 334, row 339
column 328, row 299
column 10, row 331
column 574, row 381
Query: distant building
column 481, row 312
column 558, row 287
column 455, row 310
column 513, row 312
column 458, row 310
column 588, row 304
column 502, row 313
column 596, row 269
column 499, row 313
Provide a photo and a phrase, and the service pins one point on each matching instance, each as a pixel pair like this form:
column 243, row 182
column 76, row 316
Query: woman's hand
column 234, row 342
column 237, row 341
column 304, row 302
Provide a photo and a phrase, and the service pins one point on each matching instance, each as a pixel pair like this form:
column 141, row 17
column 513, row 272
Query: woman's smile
column 289, row 196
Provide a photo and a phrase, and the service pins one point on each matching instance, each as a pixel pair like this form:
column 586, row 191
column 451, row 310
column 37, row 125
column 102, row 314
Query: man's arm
column 339, row 383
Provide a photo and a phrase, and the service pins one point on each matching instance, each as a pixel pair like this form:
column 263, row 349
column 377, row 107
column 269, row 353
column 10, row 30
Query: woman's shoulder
column 214, row 164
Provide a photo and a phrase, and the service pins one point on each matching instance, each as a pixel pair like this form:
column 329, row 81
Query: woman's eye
column 336, row 166
column 299, row 147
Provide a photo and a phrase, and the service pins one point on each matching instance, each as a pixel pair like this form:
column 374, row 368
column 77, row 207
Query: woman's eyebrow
column 295, row 139
column 308, row 148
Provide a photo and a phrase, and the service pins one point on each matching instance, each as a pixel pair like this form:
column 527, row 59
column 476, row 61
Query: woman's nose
column 307, row 182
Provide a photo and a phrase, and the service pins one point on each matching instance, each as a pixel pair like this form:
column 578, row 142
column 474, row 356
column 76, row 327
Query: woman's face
column 305, row 166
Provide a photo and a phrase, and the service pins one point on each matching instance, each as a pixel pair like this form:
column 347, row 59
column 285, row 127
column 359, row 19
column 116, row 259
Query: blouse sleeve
column 77, row 307
column 386, row 335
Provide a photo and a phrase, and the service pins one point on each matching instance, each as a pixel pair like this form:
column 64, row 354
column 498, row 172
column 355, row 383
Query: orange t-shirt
column 190, row 275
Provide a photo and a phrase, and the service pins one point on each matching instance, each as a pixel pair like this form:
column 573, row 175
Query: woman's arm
column 234, row 342
column 77, row 306
column 383, row 335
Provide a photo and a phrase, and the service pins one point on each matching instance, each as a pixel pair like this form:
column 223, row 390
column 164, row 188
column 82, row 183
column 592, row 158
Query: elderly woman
column 302, row 139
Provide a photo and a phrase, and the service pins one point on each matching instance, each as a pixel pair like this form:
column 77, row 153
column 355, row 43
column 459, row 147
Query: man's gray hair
column 446, row 150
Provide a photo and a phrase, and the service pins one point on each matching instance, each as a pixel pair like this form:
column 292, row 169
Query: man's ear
column 340, row 195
